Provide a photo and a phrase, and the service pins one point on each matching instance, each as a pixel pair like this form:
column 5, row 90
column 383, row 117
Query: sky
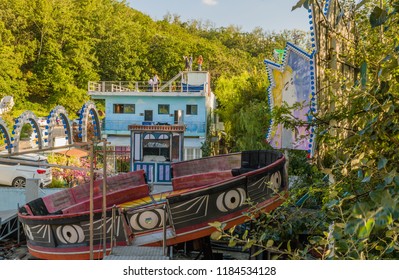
column 270, row 15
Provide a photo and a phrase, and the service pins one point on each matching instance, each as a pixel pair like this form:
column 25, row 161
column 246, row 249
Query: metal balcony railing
column 175, row 85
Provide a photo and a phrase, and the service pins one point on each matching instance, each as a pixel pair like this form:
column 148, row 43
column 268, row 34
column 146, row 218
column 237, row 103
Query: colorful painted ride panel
column 293, row 83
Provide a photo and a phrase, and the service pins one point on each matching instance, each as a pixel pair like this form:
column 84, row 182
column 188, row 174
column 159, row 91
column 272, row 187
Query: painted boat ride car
column 203, row 191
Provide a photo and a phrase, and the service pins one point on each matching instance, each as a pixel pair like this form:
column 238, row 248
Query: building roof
column 158, row 128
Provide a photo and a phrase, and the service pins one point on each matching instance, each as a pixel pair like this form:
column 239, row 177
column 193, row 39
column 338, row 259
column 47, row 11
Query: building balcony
column 185, row 83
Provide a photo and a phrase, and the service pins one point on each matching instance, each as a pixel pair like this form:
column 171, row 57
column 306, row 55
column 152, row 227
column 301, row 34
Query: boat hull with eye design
column 221, row 188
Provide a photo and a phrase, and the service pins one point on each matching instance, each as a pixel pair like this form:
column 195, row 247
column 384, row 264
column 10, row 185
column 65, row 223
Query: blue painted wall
column 196, row 124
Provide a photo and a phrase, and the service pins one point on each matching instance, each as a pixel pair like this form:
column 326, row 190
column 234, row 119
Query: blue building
column 146, row 121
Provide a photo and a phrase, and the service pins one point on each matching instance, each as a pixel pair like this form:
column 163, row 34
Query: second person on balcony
column 156, row 82
column 200, row 59
column 150, row 85
column 186, row 63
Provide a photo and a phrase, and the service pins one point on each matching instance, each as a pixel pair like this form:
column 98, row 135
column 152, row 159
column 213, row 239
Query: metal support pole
column 287, row 162
column 18, row 226
column 105, row 198
column 113, row 226
column 91, row 231
column 164, row 231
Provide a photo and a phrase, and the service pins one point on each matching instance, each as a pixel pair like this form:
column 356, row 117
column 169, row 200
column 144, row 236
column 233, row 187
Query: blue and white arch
column 6, row 135
column 58, row 116
column 88, row 114
column 26, row 117
column 293, row 81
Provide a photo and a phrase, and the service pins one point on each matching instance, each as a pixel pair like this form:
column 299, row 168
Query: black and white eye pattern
column 231, row 199
column 147, row 220
column 275, row 181
column 70, row 234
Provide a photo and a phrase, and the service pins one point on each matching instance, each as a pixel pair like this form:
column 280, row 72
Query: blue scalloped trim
column 326, row 9
column 313, row 100
column 312, row 28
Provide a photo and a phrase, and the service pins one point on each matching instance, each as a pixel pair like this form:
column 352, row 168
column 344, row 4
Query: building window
column 192, row 153
column 163, row 109
column 124, row 109
column 192, row 109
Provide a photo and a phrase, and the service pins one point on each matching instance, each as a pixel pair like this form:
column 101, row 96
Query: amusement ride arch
column 89, row 108
column 58, row 112
column 42, row 136
column 6, row 135
column 25, row 118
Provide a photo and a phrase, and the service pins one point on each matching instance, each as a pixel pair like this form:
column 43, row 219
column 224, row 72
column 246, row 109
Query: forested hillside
column 50, row 49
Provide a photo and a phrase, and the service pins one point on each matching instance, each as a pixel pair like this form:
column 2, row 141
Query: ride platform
column 136, row 253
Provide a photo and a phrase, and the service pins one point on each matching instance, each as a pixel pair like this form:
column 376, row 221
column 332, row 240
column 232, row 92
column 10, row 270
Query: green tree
column 244, row 110
column 362, row 204
column 11, row 77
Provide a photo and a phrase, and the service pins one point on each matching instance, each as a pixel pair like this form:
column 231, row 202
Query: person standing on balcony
column 190, row 64
column 150, row 84
column 199, row 62
column 156, row 82
column 187, row 63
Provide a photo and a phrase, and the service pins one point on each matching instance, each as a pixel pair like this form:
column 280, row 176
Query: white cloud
column 210, row 2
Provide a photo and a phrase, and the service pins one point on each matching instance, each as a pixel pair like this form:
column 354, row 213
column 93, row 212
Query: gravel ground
column 10, row 250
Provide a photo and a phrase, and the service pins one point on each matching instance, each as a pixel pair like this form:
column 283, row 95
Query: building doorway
column 148, row 115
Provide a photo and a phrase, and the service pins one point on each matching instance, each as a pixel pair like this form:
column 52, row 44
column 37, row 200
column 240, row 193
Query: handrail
column 143, row 208
column 112, row 240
